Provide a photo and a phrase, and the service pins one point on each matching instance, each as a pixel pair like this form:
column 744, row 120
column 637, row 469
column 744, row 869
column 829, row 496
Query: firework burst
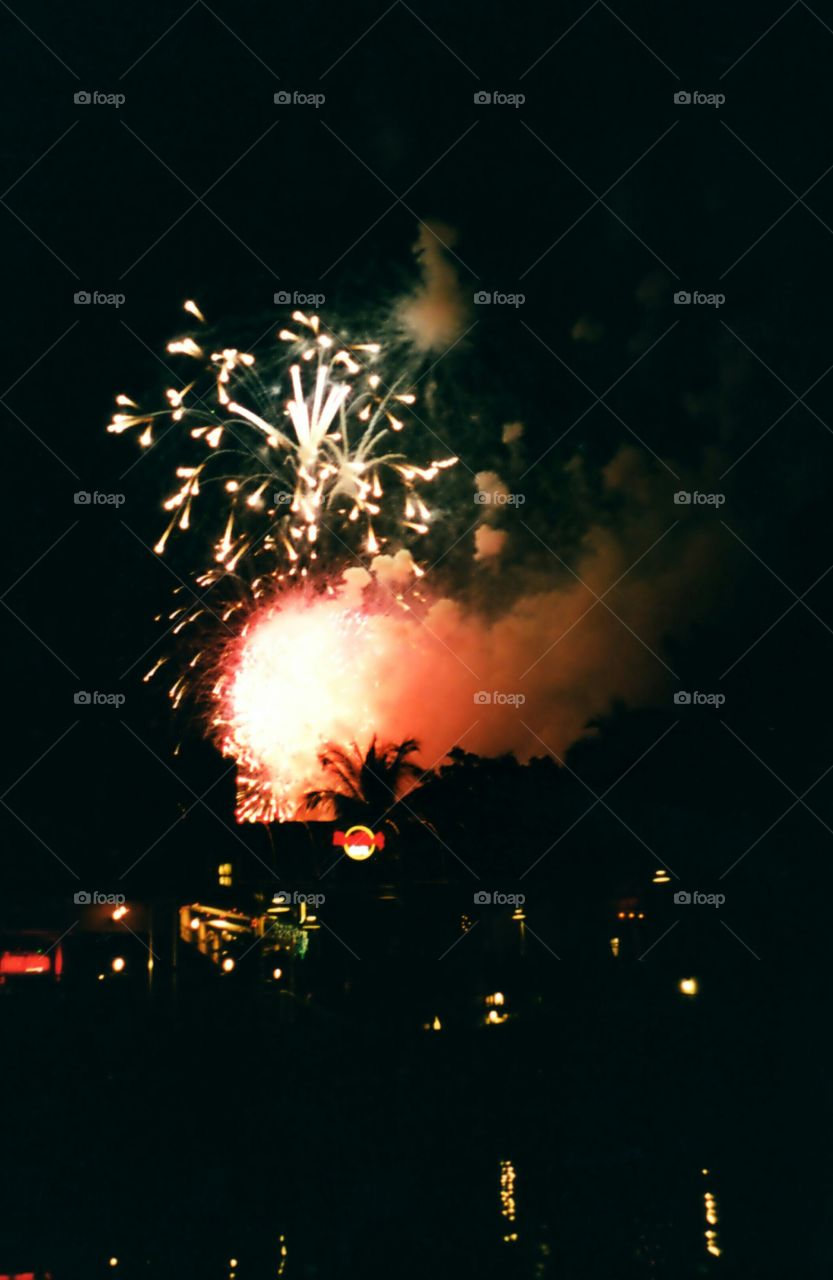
column 296, row 455
column 300, row 449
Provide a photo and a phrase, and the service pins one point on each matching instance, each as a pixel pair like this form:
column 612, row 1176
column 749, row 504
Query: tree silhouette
column 367, row 788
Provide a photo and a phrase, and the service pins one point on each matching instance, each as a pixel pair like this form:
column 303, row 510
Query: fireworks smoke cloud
column 341, row 635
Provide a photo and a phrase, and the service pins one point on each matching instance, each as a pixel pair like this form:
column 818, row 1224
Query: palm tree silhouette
column 367, row 788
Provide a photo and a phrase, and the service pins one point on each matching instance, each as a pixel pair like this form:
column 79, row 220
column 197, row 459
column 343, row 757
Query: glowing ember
column 303, row 674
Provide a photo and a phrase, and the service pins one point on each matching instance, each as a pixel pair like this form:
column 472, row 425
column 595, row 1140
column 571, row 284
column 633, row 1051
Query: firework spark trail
column 290, row 464
column 296, row 454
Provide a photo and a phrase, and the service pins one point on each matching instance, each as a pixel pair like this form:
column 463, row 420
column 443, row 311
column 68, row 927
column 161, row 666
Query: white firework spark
column 288, row 466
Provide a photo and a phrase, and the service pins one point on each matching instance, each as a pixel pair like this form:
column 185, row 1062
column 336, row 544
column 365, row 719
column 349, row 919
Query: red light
column 24, row 962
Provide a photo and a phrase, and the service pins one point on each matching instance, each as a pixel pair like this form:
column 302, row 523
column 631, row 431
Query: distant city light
column 614, row 946
column 195, row 922
column 114, row 1262
column 689, row 986
column 117, row 965
column 24, row 962
column 277, row 973
column 120, row 912
column 228, row 964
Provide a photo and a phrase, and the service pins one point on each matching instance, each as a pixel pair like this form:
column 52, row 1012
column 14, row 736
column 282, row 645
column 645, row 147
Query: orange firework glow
column 303, row 674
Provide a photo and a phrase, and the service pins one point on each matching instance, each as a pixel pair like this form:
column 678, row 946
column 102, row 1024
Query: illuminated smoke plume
column 382, row 656
column 435, row 315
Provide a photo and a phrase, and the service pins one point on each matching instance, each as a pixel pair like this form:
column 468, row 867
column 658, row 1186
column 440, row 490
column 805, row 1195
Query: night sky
column 598, row 198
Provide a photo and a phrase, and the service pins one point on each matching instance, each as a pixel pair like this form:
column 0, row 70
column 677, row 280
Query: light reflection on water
column 508, row 1203
column 528, row 1236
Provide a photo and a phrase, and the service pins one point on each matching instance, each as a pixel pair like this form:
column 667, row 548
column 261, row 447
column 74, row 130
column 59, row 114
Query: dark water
column 568, row 1142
